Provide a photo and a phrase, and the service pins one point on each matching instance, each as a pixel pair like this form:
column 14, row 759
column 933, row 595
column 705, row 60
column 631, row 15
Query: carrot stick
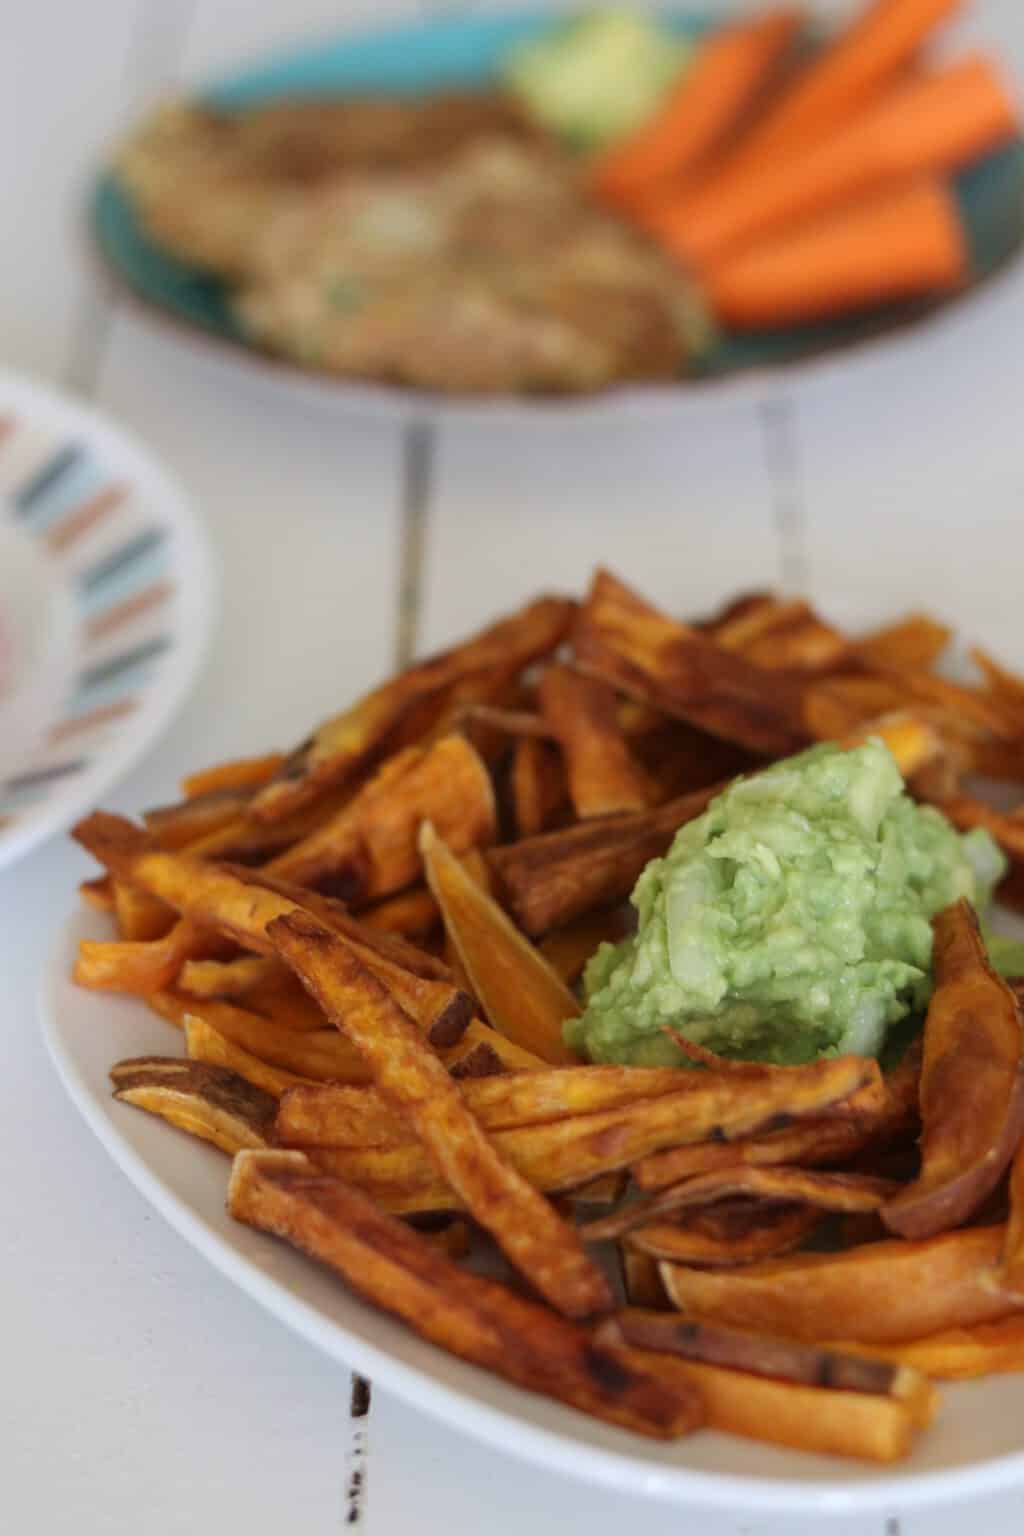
column 904, row 243
column 931, row 124
column 859, row 63
column 729, row 71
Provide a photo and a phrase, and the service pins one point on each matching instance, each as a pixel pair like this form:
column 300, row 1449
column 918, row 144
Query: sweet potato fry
column 604, row 776
column 389, row 946
column 722, row 1236
column 538, row 785
column 568, row 949
column 966, row 812
column 1001, row 761
column 245, row 841
column 453, row 1239
column 175, row 1006
column 1011, row 1274
column 513, row 1058
column 260, row 982
column 480, row 706
column 230, row 978
column 810, row 1143
column 759, row 1354
column 369, row 850
column 288, row 1004
column 837, row 707
column 913, row 741
column 204, row 1043
column 98, row 894
column 916, row 641
column 1007, row 686
column 678, row 758
column 215, row 805
column 239, row 903
column 737, row 609
column 341, row 1117
column 776, row 633
column 340, row 746
column 880, row 1293
column 335, row 847
column 966, row 706
column 140, row 967
column 522, row 996
column 599, row 1194
column 626, row 642
column 799, row 1186
column 958, row 1354
column 482, row 1321
column 565, row 1153
column 640, row 1279
column 140, row 917
column 477, row 1059
column 321, row 1055
column 551, row 880
column 415, row 1083
column 209, row 1102
column 785, row 1413
column 243, row 773
column 702, row 1056
column 508, row 722
column 972, row 1084
column 412, row 915
column 853, row 708
column 187, row 823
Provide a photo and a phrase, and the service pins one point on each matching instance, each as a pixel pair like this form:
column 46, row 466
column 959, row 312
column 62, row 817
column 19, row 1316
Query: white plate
column 974, row 1448
column 105, row 607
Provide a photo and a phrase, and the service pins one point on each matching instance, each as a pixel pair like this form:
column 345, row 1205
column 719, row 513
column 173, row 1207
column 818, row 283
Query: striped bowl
column 106, row 596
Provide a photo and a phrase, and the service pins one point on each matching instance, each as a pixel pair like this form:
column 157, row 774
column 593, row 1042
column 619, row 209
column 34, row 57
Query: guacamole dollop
column 598, row 77
column 791, row 920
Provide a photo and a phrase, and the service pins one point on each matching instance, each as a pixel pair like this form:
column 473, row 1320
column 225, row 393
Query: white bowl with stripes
column 106, row 598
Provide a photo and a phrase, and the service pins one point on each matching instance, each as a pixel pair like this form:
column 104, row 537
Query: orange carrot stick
column 860, row 62
column 904, row 243
column 730, row 70
column 931, row 124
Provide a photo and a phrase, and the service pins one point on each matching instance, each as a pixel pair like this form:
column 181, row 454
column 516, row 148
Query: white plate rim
column 197, row 603
column 502, row 1430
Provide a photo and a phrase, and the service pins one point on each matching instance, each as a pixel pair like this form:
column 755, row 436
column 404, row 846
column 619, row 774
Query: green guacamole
column 791, row 920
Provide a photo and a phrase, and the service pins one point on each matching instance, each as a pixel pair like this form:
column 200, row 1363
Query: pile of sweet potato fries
column 371, row 945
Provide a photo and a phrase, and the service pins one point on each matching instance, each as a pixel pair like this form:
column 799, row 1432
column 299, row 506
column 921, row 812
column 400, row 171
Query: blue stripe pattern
column 118, row 666
column 126, row 570
column 58, row 490
column 43, row 776
column 31, row 495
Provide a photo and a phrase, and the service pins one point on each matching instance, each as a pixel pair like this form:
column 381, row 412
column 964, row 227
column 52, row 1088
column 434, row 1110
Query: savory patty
column 465, row 258
column 206, row 181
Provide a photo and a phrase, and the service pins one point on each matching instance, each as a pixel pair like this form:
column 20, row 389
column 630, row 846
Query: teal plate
column 465, row 51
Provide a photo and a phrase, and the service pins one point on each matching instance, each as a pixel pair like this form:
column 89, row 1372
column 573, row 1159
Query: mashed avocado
column 599, row 76
column 792, row 919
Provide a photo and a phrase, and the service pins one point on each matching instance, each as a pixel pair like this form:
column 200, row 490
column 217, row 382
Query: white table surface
column 138, row 1391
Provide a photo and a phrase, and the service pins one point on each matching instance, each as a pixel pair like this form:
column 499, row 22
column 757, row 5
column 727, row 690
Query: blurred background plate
column 105, row 606
column 464, row 51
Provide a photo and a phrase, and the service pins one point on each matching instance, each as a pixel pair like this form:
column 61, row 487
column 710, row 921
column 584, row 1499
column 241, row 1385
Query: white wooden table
column 138, row 1391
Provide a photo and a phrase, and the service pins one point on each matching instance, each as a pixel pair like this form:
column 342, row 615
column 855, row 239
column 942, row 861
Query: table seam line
column 419, row 450
column 778, row 415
